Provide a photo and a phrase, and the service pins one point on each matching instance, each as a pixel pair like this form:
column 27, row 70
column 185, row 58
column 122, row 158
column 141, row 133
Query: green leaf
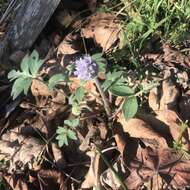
column 76, row 109
column 65, row 139
column 130, row 107
column 12, row 75
column 63, row 135
column 71, row 134
column 24, row 66
column 23, row 79
column 72, row 123
column 61, row 142
column 61, row 130
column 97, row 56
column 27, row 84
column 112, row 78
column 121, row 90
column 20, row 85
column 72, row 99
column 70, row 68
column 79, row 94
column 35, row 63
column 55, row 79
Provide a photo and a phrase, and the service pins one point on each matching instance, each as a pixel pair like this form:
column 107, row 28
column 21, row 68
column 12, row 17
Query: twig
column 105, row 101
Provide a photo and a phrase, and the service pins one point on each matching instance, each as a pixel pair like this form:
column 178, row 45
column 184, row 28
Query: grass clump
column 144, row 21
column 164, row 18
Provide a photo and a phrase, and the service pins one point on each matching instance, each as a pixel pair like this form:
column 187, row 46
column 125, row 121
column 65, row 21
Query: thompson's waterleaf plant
column 85, row 68
column 29, row 68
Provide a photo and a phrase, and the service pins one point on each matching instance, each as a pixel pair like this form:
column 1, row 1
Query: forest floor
column 101, row 100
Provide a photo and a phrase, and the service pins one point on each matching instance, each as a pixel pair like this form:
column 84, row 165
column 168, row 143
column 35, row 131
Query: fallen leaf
column 172, row 166
column 20, row 152
column 92, row 177
column 142, row 164
column 174, row 56
column 139, row 129
column 68, row 46
column 103, row 28
column 170, row 93
column 38, row 88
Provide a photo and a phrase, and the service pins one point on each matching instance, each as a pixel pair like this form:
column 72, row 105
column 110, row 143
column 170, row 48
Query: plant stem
column 104, row 99
column 112, row 169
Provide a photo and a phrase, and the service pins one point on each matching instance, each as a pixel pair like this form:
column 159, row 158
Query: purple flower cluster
column 85, row 68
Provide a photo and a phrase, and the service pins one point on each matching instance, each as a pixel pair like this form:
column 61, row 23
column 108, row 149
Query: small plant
column 30, row 66
column 67, row 132
column 85, row 68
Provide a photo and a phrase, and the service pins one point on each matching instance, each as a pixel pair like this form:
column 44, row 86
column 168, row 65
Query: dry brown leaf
column 68, row 46
column 103, row 28
column 153, row 99
column 159, row 126
column 92, row 177
column 38, row 88
column 52, row 177
column 20, row 151
column 166, row 108
column 169, row 164
column 169, row 96
column 174, row 56
column 170, row 93
column 139, row 129
column 57, row 105
column 141, row 164
column 89, row 85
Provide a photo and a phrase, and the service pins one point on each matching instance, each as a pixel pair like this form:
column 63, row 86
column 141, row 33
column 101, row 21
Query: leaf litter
column 149, row 151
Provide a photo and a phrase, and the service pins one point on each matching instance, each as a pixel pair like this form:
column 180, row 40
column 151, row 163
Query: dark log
column 28, row 23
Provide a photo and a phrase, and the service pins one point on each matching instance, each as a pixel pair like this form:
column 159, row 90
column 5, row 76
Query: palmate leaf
column 13, row 74
column 29, row 68
column 35, row 63
column 24, row 66
column 71, row 134
column 130, row 107
column 63, row 135
column 72, row 123
column 20, row 85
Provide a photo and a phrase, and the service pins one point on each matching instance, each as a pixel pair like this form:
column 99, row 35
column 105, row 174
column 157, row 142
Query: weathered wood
column 29, row 21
